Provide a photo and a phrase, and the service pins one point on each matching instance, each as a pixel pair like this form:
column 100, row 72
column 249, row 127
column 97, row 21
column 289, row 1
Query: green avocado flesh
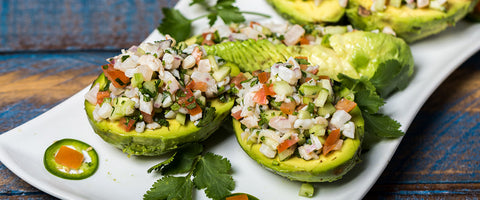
column 158, row 141
column 409, row 24
column 355, row 54
column 325, row 169
column 306, row 12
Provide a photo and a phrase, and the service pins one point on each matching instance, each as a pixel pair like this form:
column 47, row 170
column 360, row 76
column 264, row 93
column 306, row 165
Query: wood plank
column 73, row 25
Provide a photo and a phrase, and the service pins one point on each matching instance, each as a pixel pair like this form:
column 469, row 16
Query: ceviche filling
column 285, row 33
column 291, row 111
column 154, row 82
column 381, row 5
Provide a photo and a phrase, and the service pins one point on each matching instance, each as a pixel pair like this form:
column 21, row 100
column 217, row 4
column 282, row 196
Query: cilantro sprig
column 204, row 171
column 367, row 98
column 180, row 27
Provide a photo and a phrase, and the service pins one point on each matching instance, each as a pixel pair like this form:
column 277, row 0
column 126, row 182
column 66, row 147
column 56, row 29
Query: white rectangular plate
column 123, row 177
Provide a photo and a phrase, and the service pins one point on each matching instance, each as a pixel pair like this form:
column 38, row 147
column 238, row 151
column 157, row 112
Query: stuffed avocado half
column 156, row 97
column 296, row 124
column 410, row 20
column 310, row 11
column 382, row 58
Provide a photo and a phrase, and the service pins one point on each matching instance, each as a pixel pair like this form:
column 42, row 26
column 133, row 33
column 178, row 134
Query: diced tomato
column 263, row 77
column 238, row 197
column 187, row 95
column 148, row 118
column 261, row 95
column 308, row 79
column 237, row 115
column 202, row 86
column 195, row 110
column 345, row 104
column 288, row 108
column 287, row 143
column 256, row 72
column 117, row 77
column 69, row 157
column 208, row 39
column 197, row 54
column 254, row 23
column 331, row 141
column 304, row 40
column 190, row 85
column 127, row 124
column 237, row 80
column 269, row 89
column 323, row 77
column 102, row 95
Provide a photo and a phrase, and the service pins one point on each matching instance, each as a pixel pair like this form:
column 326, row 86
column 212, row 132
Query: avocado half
column 355, row 54
column 306, row 12
column 325, row 169
column 158, row 141
column 409, row 24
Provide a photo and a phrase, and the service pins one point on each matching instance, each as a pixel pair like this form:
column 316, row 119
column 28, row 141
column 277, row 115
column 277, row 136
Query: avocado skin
column 354, row 54
column 326, row 169
column 158, row 141
column 409, row 24
column 306, row 12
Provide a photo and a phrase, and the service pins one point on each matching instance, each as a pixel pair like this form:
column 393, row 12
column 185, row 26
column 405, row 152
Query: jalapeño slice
column 71, row 159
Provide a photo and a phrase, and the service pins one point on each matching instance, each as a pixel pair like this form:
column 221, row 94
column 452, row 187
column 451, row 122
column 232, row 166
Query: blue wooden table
column 50, row 50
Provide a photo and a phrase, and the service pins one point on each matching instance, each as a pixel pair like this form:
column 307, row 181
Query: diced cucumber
column 328, row 108
column 285, row 154
column 234, row 70
column 303, row 114
column 307, row 100
column 309, row 90
column 221, row 73
column 137, row 80
column 151, row 87
column 282, row 88
column 318, row 130
column 122, row 106
column 140, row 51
column 335, row 29
column 248, row 75
column 325, row 83
column 269, row 114
column 181, row 118
column 213, row 62
column 321, row 98
column 270, row 142
column 396, row 3
column 379, row 5
column 306, row 190
column 347, row 94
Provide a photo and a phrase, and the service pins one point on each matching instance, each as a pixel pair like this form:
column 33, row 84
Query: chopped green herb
column 125, row 57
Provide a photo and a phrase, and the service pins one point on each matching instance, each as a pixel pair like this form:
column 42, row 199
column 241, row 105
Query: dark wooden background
column 50, row 50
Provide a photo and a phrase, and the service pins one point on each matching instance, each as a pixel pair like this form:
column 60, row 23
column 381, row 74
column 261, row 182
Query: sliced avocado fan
column 409, row 24
column 307, row 12
column 384, row 59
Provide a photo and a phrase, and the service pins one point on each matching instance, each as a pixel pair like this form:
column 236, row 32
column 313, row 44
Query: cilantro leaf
column 183, row 159
column 389, row 76
column 208, row 117
column 212, row 173
column 228, row 12
column 175, row 24
column 170, row 187
column 159, row 166
column 381, row 125
column 366, row 96
column 201, row 2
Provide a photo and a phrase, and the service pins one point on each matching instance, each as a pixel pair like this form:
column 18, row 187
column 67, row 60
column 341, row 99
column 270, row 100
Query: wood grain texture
column 73, row 25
